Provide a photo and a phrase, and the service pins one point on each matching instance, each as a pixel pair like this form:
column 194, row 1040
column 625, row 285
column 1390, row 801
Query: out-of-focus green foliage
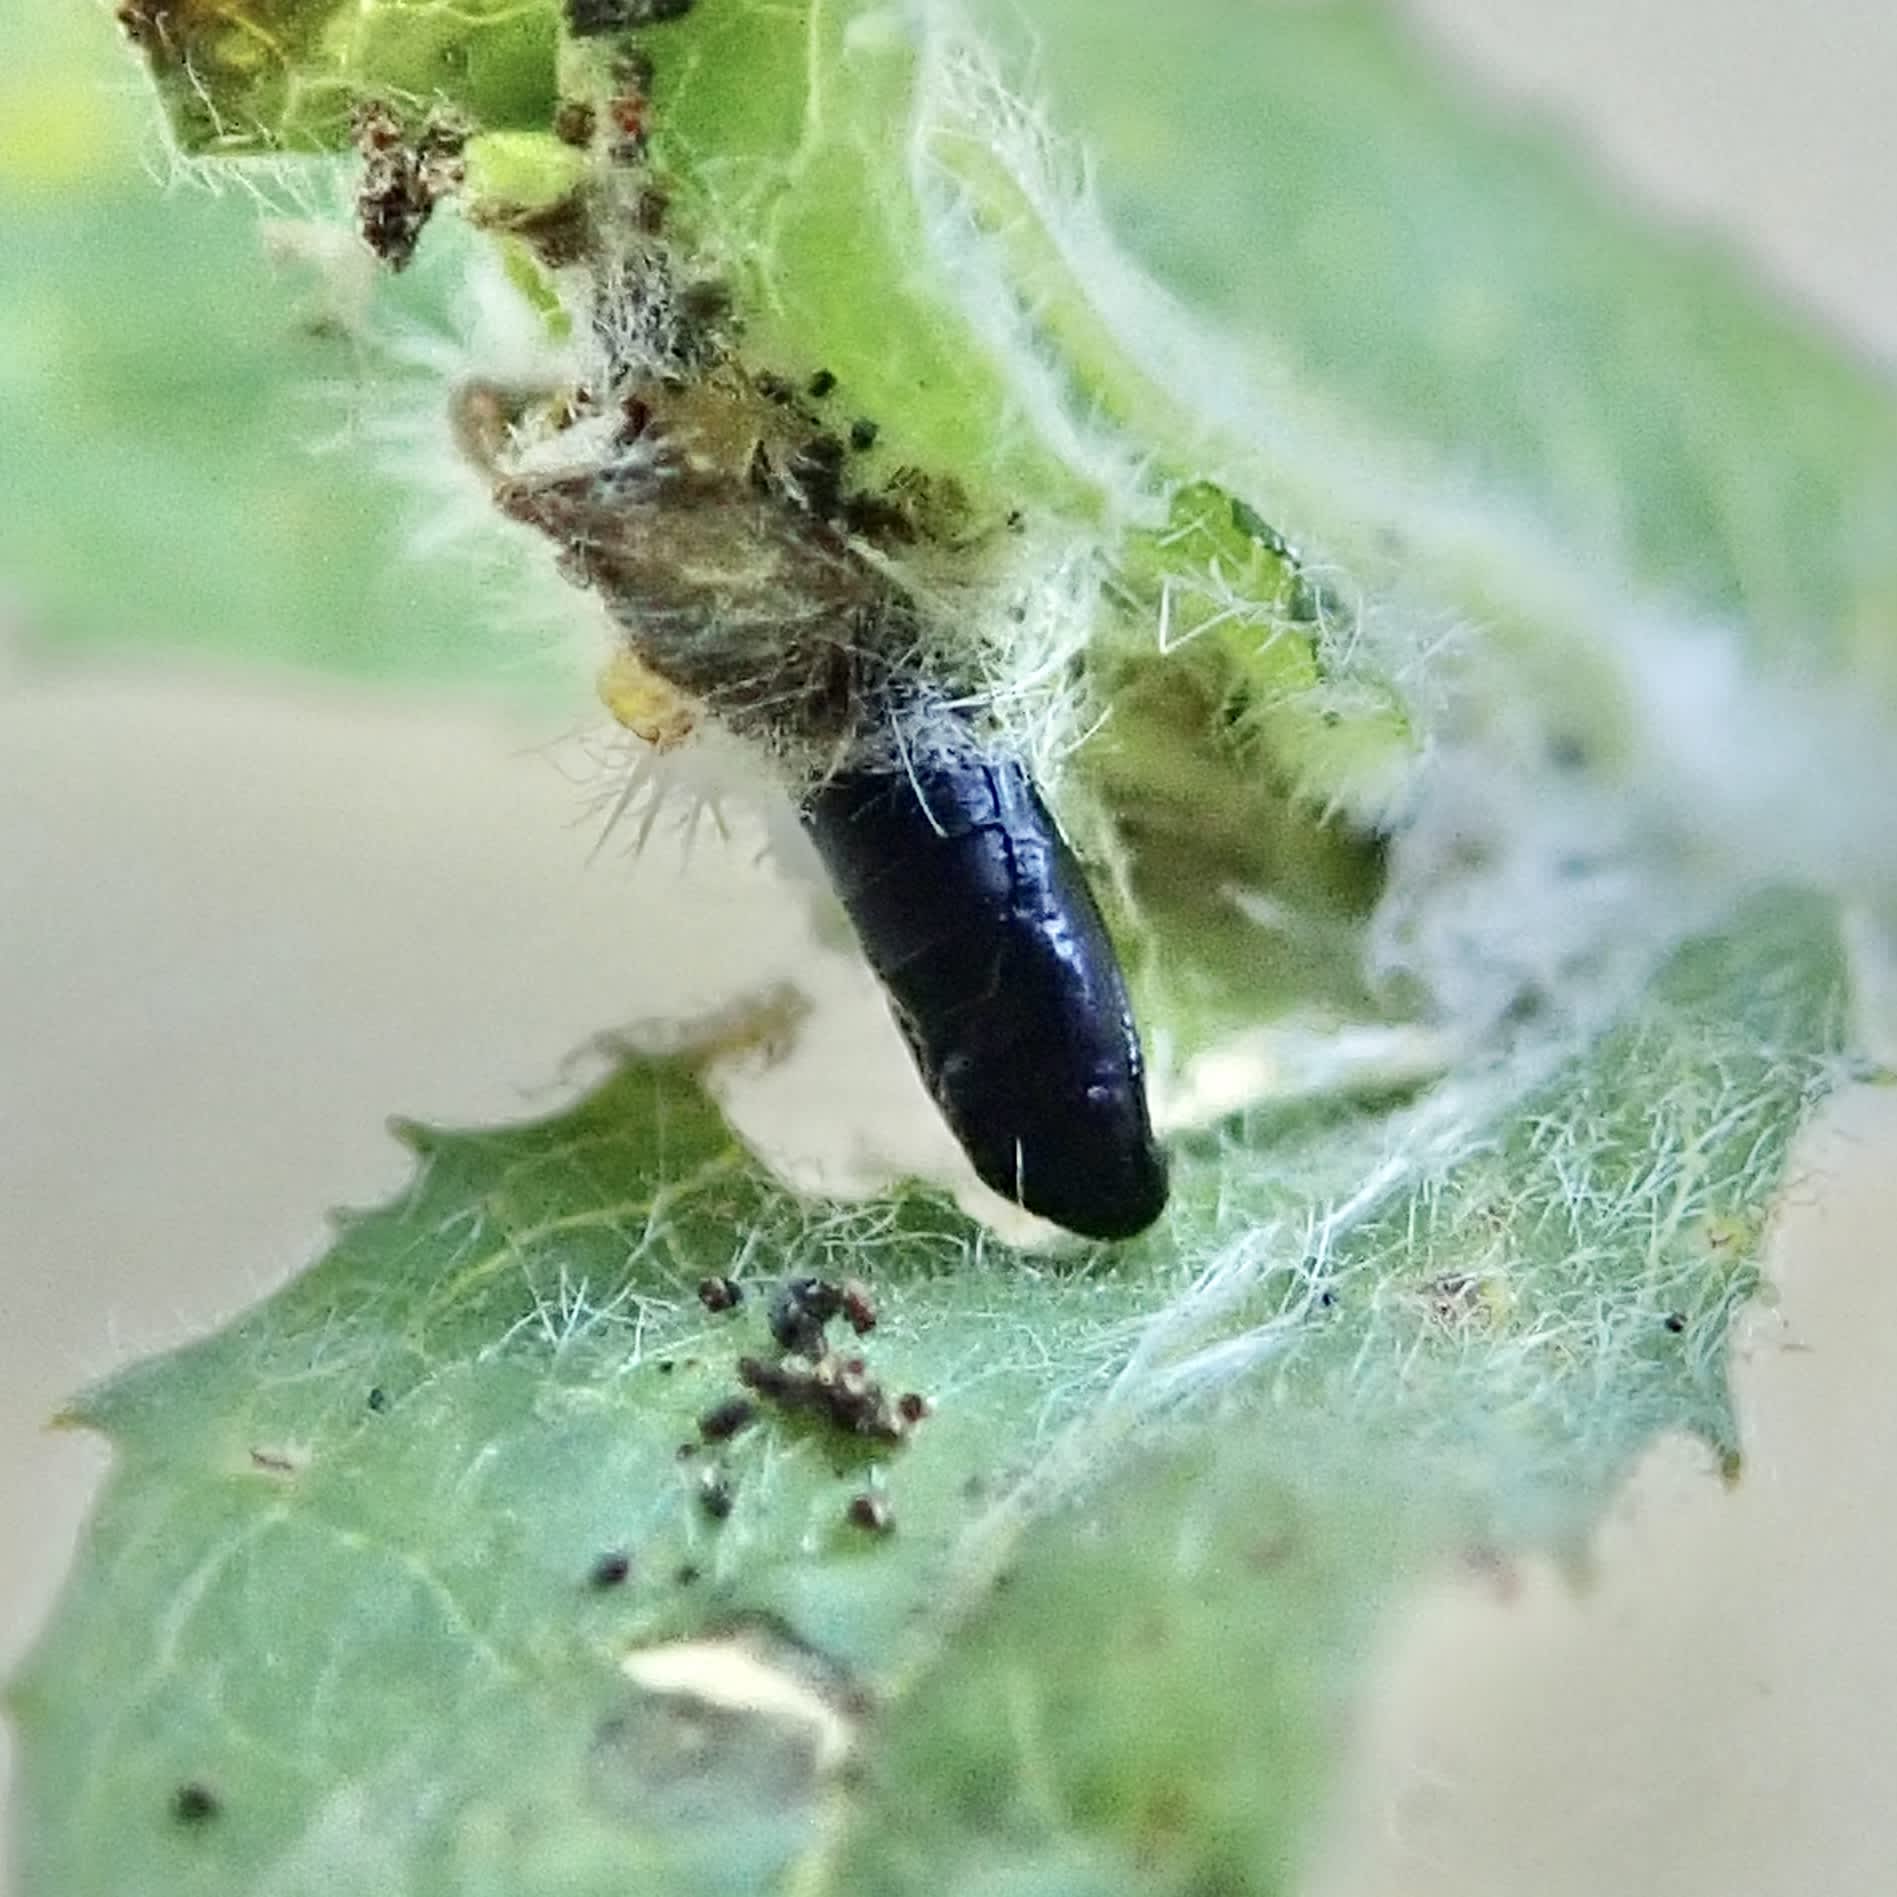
column 345, row 1575
column 191, row 462
column 1446, row 295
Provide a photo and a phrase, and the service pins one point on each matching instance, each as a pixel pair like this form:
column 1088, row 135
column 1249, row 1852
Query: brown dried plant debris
column 403, row 177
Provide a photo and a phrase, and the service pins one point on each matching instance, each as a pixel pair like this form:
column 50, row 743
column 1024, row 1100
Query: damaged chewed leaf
column 588, row 1388
column 646, row 1561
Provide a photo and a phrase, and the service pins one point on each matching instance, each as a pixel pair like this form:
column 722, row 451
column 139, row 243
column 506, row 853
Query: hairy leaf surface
column 1462, row 615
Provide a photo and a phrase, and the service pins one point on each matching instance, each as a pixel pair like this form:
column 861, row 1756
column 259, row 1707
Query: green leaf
column 286, row 74
column 345, row 1578
column 400, row 1475
column 1433, row 295
column 1437, row 844
column 218, row 477
column 1147, row 1704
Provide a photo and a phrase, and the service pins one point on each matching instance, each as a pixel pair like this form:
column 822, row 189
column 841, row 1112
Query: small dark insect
column 633, row 71
column 629, row 109
column 722, row 1423
column 587, row 18
column 842, row 1393
column 822, row 383
column 402, row 178
column 714, row 1494
column 194, row 1803
column 573, row 122
column 815, row 473
column 858, row 1307
column 720, row 1294
column 610, row 1570
column 378, row 1399
column 648, row 211
column 800, row 1309
column 977, row 920
column 870, row 1512
column 863, row 433
column 1676, row 1322
column 912, row 1407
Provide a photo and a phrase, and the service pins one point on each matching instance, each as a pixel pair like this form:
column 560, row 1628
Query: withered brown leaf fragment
column 403, row 179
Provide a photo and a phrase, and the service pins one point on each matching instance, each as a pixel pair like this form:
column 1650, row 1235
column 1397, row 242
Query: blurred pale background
column 242, row 920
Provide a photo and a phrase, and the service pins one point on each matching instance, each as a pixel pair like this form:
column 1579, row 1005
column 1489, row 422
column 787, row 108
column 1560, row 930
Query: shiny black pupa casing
column 975, row 916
